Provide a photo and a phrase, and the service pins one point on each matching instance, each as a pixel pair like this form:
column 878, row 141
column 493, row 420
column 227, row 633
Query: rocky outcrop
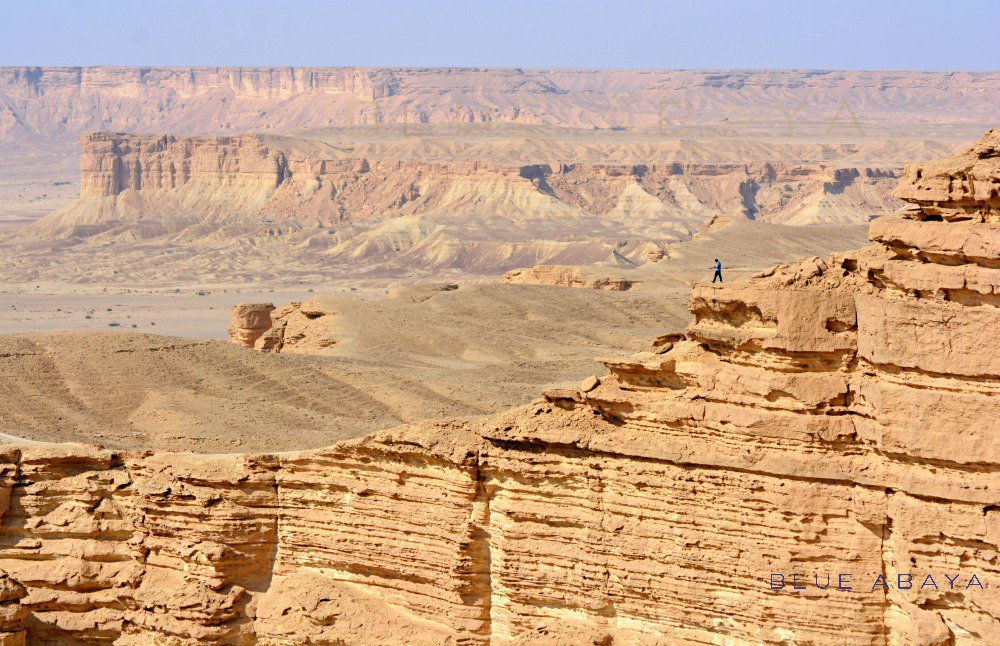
column 812, row 461
column 585, row 277
column 963, row 187
column 298, row 327
column 12, row 612
column 250, row 321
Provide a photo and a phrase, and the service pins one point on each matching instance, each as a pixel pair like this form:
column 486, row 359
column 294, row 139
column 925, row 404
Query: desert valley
column 434, row 355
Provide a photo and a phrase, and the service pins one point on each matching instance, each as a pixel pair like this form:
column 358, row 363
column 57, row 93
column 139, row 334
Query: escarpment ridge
column 843, row 119
column 262, row 207
column 303, row 183
column 830, row 418
column 44, row 103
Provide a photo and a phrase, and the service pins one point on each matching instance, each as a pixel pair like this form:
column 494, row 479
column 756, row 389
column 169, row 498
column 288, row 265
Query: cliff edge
column 812, row 461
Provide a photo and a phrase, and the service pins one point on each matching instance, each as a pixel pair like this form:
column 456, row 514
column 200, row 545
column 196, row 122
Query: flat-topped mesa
column 50, row 102
column 111, row 163
column 153, row 177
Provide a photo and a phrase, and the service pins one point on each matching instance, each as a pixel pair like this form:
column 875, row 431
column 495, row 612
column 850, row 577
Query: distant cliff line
column 58, row 102
column 309, row 184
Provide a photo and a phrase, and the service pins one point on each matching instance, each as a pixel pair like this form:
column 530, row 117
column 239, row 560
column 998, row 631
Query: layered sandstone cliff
column 166, row 184
column 831, row 417
column 963, row 187
column 167, row 209
column 59, row 102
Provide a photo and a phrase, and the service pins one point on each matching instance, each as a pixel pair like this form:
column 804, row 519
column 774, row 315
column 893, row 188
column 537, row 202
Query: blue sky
column 844, row 34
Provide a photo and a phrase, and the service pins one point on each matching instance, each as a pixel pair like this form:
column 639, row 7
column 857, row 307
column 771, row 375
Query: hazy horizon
column 535, row 68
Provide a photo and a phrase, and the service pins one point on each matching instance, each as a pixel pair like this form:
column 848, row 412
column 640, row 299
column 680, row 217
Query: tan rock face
column 170, row 548
column 156, row 184
column 831, row 420
column 963, row 187
column 299, row 327
column 250, row 321
column 12, row 612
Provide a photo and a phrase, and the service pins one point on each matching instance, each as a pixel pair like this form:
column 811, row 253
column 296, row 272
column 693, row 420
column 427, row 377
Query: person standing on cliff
column 718, row 271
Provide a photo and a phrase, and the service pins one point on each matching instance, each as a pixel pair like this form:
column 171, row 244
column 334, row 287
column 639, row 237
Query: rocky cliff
column 172, row 184
column 817, row 432
column 261, row 208
column 45, row 103
column 963, row 187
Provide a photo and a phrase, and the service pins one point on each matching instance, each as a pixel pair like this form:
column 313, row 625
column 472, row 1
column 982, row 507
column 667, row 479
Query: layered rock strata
column 250, row 322
column 298, row 327
column 51, row 102
column 164, row 184
column 963, row 187
column 12, row 612
column 831, row 418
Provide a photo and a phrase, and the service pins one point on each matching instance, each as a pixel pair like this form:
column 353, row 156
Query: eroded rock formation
column 833, row 417
column 322, row 205
column 250, row 321
column 963, row 187
column 297, row 327
column 165, row 184
column 12, row 612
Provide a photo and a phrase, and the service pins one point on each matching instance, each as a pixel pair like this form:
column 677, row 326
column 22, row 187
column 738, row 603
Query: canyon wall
column 830, row 129
column 831, row 418
column 170, row 184
column 55, row 103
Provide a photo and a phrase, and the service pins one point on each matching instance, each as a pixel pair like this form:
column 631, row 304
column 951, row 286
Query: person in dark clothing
column 718, row 271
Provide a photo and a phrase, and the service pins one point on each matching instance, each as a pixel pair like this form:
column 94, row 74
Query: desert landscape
column 433, row 356
column 130, row 197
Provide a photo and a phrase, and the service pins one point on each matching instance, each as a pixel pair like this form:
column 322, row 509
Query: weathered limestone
column 963, row 187
column 12, row 612
column 299, row 327
column 164, row 185
column 250, row 321
column 832, row 418
column 170, row 548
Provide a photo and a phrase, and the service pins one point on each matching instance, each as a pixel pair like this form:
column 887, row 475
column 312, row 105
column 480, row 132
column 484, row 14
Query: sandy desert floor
column 118, row 380
column 203, row 310
column 121, row 340
column 36, row 182
column 475, row 350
